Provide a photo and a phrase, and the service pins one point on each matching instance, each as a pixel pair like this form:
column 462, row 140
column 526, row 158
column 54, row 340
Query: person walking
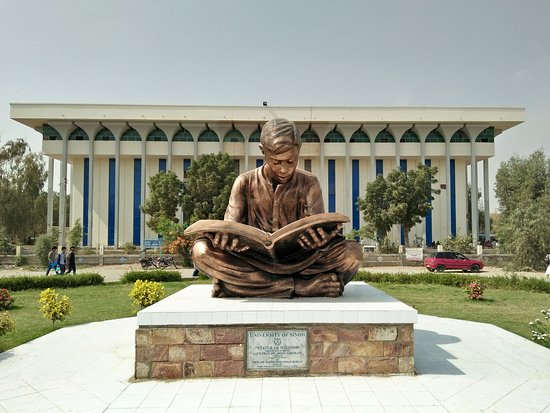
column 52, row 260
column 547, row 261
column 62, row 260
column 71, row 261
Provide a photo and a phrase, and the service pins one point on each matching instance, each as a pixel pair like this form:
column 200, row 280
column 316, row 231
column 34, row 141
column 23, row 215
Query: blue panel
column 403, row 167
column 354, row 193
column 453, row 198
column 429, row 234
column 85, row 199
column 331, row 185
column 137, row 202
column 259, row 162
column 111, row 207
column 186, row 166
column 162, row 165
column 379, row 167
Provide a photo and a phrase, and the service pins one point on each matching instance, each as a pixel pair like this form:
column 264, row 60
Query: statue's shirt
column 254, row 201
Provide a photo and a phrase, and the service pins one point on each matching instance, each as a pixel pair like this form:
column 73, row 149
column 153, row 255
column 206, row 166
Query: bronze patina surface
column 269, row 198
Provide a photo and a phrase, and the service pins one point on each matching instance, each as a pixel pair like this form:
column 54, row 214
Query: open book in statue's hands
column 284, row 243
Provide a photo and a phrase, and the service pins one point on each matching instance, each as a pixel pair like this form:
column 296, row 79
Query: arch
column 255, row 137
column 130, row 135
column 309, row 136
column 334, row 137
column 78, row 135
column 233, row 136
column 157, row 135
column 409, row 137
column 435, row 137
column 50, row 134
column 183, row 135
column 486, row 135
column 359, row 136
column 384, row 136
column 460, row 137
column 104, row 134
column 208, row 135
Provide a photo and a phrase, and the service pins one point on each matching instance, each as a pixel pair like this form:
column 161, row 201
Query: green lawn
column 509, row 309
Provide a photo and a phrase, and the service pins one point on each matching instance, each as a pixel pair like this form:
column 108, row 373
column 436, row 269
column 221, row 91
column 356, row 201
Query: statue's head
column 279, row 135
column 280, row 143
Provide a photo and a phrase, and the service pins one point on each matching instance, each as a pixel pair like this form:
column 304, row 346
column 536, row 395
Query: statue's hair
column 279, row 135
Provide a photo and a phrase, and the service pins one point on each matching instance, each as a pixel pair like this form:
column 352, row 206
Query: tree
column 401, row 198
column 522, row 188
column 208, row 187
column 22, row 178
column 166, row 191
column 75, row 235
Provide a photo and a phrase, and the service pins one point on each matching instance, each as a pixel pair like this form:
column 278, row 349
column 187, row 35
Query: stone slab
column 360, row 304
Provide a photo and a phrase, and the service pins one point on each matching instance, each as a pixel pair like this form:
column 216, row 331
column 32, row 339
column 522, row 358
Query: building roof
column 35, row 115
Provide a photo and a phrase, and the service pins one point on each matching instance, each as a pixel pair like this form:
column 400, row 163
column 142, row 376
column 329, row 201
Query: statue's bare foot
column 217, row 291
column 323, row 285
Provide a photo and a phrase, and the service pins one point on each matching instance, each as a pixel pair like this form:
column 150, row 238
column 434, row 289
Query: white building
column 115, row 149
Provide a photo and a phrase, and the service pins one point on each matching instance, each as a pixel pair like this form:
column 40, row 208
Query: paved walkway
column 463, row 367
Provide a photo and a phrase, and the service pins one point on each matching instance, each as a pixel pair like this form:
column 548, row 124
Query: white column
column 472, row 131
column 195, row 130
column 447, row 131
column 347, row 130
column 397, row 130
column 321, row 131
column 169, row 129
column 220, row 130
column 372, row 131
column 49, row 214
column 91, row 129
column 64, row 128
column 486, row 212
column 246, row 130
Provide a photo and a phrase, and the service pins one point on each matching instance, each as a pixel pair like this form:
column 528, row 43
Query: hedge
column 154, row 275
column 27, row 282
column 512, row 282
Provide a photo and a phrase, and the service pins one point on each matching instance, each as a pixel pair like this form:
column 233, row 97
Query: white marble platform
column 360, row 304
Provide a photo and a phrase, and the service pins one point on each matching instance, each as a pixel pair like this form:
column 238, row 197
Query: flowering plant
column 7, row 324
column 540, row 330
column 6, row 299
column 54, row 307
column 474, row 290
column 146, row 293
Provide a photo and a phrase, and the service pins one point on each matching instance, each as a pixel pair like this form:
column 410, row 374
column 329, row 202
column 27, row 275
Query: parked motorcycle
column 147, row 262
column 166, row 261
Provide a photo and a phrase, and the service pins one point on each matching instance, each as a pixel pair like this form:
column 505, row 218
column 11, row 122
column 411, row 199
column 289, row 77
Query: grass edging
column 28, row 282
column 152, row 275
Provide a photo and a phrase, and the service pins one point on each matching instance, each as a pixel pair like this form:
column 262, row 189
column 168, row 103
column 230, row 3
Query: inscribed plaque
column 276, row 350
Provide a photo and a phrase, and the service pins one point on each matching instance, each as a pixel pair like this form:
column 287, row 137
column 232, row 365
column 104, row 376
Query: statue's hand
column 224, row 242
column 317, row 238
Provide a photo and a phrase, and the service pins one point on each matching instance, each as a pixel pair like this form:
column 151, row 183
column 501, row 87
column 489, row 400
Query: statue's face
column 281, row 167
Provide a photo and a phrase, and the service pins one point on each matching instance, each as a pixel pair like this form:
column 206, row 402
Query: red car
column 449, row 260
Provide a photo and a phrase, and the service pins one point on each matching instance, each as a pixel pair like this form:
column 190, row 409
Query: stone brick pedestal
column 190, row 334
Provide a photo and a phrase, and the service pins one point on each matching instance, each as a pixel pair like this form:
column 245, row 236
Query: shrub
column 146, row 293
column 42, row 248
column 474, row 290
column 6, row 300
column 182, row 245
column 387, row 247
column 7, row 324
column 460, row 243
column 75, row 235
column 21, row 260
column 25, row 282
column 154, row 275
column 6, row 246
column 540, row 330
column 53, row 307
column 128, row 248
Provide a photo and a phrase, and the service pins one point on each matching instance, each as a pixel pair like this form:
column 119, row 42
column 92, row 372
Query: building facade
column 113, row 150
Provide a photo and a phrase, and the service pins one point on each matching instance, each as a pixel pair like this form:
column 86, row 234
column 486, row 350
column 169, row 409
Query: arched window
column 255, row 137
column 233, row 136
column 487, row 135
column 50, row 134
column 183, row 135
column 78, row 135
column 409, row 137
column 309, row 136
column 130, row 135
column 157, row 135
column 460, row 137
column 435, row 137
column 359, row 136
column 384, row 136
column 208, row 135
column 104, row 134
column 334, row 137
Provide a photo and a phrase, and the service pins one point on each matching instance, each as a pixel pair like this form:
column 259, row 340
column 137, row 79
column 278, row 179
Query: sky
column 478, row 53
